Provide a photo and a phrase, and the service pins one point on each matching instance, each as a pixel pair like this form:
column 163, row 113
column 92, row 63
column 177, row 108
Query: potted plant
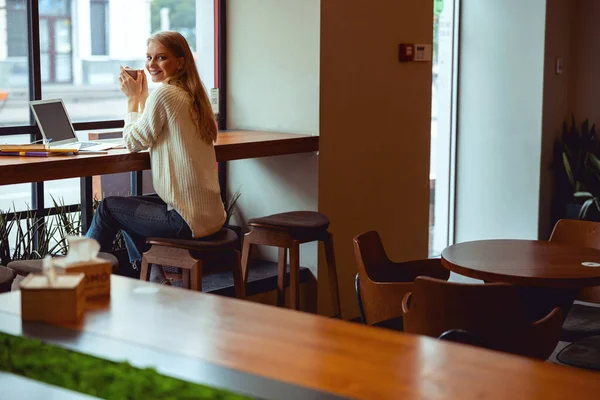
column 29, row 237
column 577, row 158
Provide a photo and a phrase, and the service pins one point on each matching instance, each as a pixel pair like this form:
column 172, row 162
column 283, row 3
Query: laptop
column 57, row 130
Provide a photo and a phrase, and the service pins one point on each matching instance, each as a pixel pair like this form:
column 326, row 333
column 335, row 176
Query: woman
column 177, row 125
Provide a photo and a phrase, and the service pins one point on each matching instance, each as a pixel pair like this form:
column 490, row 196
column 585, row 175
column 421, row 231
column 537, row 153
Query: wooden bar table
column 275, row 353
column 231, row 145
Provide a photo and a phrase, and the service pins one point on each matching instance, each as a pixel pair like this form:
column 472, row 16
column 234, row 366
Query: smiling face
column 161, row 63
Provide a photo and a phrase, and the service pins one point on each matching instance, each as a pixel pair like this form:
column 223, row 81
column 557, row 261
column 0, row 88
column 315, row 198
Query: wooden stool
column 191, row 254
column 287, row 231
column 6, row 278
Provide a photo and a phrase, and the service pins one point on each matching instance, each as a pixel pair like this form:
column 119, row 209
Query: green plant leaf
column 582, row 195
column 568, row 170
column 585, row 207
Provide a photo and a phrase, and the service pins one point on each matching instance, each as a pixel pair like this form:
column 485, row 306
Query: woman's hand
column 132, row 88
column 144, row 92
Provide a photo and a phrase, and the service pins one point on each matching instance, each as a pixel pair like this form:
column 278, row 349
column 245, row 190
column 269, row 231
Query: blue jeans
column 138, row 217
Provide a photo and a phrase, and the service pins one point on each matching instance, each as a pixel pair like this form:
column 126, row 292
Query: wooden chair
column 492, row 313
column 191, row 256
column 287, row 231
column 582, row 321
column 381, row 283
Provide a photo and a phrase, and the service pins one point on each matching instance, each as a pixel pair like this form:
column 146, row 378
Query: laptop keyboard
column 85, row 145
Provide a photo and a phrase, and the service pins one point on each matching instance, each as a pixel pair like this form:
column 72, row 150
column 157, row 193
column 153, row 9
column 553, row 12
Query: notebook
column 56, row 127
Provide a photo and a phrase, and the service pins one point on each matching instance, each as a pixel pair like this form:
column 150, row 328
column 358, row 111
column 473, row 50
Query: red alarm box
column 407, row 52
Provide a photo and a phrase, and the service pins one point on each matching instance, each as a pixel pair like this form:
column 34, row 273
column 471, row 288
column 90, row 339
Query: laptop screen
column 53, row 120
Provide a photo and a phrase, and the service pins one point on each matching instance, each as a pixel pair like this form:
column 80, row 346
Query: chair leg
column 185, row 279
column 145, row 271
column 295, row 275
column 238, row 279
column 332, row 273
column 361, row 309
column 196, row 276
column 245, row 256
column 281, row 269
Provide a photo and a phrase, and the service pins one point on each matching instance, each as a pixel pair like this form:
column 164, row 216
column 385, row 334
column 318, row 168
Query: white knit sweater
column 184, row 171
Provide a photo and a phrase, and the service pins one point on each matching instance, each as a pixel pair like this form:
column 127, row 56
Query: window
column 81, row 45
column 14, row 64
column 442, row 119
column 99, row 26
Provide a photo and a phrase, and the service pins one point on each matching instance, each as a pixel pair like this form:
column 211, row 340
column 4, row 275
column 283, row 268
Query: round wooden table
column 549, row 274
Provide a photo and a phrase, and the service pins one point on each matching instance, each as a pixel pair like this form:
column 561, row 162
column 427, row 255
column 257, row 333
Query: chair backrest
column 492, row 313
column 383, row 283
column 579, row 233
column 370, row 254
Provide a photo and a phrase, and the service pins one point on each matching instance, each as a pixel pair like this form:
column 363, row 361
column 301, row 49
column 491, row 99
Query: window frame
column 106, row 33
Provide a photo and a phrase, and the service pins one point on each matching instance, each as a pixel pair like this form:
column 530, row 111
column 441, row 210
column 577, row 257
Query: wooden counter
column 231, row 145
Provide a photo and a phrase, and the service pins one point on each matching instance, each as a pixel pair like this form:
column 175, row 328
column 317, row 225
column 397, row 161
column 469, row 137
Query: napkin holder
column 62, row 300
column 82, row 258
column 97, row 275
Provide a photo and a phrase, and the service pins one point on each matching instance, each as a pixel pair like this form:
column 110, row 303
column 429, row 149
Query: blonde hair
column 189, row 80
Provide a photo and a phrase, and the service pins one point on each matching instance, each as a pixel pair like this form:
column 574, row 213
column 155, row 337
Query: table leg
column 136, row 179
column 87, row 211
column 222, row 172
column 539, row 301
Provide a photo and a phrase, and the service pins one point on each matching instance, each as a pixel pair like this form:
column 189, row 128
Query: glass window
column 15, row 197
column 440, row 177
column 72, row 41
column 14, row 64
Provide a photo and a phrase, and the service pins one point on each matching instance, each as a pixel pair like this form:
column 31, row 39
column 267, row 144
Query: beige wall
column 585, row 79
column 571, row 33
column 558, row 99
column 273, row 85
column 374, row 131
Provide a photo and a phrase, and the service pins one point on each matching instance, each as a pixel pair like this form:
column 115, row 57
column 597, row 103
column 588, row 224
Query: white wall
column 499, row 118
column 273, row 85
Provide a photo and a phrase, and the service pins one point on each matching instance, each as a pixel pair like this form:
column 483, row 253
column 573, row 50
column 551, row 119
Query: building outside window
column 99, row 27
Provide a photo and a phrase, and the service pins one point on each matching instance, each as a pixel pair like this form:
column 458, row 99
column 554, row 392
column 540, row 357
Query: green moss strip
column 94, row 376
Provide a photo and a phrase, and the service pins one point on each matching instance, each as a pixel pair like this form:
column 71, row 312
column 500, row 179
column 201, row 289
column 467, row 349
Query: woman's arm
column 142, row 130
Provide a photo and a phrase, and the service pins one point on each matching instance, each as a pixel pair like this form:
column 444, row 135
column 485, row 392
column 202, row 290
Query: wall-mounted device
column 414, row 52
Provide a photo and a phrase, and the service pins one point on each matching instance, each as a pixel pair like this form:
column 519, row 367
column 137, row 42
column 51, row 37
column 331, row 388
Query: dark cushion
column 225, row 239
column 582, row 321
column 24, row 267
column 584, row 353
column 293, row 220
column 6, row 278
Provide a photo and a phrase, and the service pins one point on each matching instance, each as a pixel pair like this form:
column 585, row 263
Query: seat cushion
column 582, row 321
column 293, row 220
column 6, row 278
column 584, row 353
column 24, row 267
column 225, row 239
